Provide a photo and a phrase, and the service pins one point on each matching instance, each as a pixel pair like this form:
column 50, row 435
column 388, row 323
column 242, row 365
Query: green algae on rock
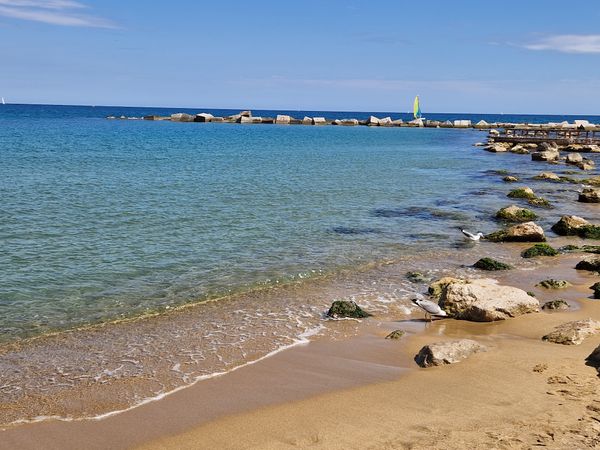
column 591, row 264
column 396, row 334
column 525, row 192
column 514, row 213
column 552, row 283
column 558, row 304
column 491, row 264
column 346, row 309
column 539, row 250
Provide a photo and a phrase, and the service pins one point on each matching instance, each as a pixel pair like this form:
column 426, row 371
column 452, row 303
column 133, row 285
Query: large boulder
column 569, row 225
column 589, row 195
column 556, row 305
column 514, row 213
column 539, row 249
column 373, row 121
column 491, row 265
column 182, row 117
column 523, row 232
column 524, row 192
column 283, row 119
column 437, row 287
column 348, row 122
column 573, row 333
column 385, row 122
column 346, row 309
column 484, row 300
column 497, row 147
column 204, row 117
column 586, row 164
column 574, row 158
column 594, row 359
column 596, row 288
column 449, row 352
column 319, row 121
column 307, row 120
column 548, row 155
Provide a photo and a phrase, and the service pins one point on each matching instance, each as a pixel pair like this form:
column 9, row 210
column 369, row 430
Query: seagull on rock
column 471, row 236
column 431, row 308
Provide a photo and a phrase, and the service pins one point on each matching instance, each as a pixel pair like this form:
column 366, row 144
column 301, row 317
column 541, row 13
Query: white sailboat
column 3, row 102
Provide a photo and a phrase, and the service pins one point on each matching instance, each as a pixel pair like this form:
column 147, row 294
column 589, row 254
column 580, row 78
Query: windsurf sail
column 417, row 108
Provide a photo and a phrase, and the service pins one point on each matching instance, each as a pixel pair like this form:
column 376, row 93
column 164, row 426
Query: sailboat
column 3, row 102
column 418, row 118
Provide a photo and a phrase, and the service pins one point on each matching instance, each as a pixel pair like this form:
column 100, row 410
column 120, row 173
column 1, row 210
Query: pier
column 522, row 134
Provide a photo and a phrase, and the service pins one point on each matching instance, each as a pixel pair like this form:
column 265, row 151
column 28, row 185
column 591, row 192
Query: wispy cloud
column 567, row 43
column 54, row 12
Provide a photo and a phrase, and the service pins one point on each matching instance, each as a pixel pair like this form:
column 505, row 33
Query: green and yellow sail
column 417, row 108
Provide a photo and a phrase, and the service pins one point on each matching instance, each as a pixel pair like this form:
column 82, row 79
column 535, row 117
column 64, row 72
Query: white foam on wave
column 302, row 339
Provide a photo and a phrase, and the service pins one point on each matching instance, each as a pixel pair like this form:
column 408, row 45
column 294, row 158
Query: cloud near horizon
column 53, row 12
column 568, row 43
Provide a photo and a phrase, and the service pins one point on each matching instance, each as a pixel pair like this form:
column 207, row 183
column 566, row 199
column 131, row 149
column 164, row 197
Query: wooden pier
column 562, row 136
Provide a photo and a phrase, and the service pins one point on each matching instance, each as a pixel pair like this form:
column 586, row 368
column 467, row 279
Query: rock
column 283, row 119
column 539, row 250
column 519, row 149
column 552, row 283
column 449, row 352
column 589, row 232
column 574, row 158
column 385, row 122
column 589, row 195
column 462, row 123
column 494, row 133
column 548, row 146
column 250, row 119
column 591, row 264
column 573, row 333
column 514, row 213
column 523, row 232
column 491, row 264
column 539, row 368
column 482, row 124
column 596, row 288
column 307, row 120
column 437, row 287
column 397, row 334
column 373, row 121
column 484, row 300
column 569, row 225
column 558, row 304
column 348, row 122
column 182, row 117
column 525, row 192
column 497, row 147
column 345, row 308
column 594, row 358
column 479, row 144
column 510, row 179
column 586, row 164
column 397, row 122
column 203, row 117
column 245, row 113
column 416, row 277
column 549, row 155
column 540, row 202
column 319, row 121
column 217, row 120
column 547, row 176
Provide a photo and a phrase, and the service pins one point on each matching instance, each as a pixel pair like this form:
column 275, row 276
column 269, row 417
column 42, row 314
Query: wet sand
column 358, row 390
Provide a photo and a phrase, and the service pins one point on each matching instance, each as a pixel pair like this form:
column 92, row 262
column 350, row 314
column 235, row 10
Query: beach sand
column 366, row 392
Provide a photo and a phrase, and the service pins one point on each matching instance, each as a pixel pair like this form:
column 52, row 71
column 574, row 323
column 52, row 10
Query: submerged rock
column 573, row 333
column 510, row 179
column 397, row 334
column 484, row 300
column 345, row 308
column 558, row 304
column 514, row 213
column 589, row 232
column 552, row 283
column 574, row 158
column 591, row 264
column 450, row 352
column 416, row 277
column 525, row 192
column 589, row 195
column 539, row 201
column 523, row 232
column 539, row 250
column 491, row 264
column 569, row 225
column 547, row 176
column 596, row 288
column 547, row 155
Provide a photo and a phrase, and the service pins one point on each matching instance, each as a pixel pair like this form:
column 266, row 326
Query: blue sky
column 537, row 56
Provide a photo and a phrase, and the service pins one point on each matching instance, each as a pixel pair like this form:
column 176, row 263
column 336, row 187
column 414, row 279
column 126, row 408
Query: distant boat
column 3, row 102
column 417, row 109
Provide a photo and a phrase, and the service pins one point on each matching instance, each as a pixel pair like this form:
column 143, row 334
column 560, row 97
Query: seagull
column 471, row 236
column 432, row 309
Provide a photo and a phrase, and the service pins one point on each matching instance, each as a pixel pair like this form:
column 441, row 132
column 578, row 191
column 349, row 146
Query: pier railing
column 559, row 135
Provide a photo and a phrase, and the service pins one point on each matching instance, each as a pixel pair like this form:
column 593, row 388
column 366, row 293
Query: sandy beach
column 364, row 391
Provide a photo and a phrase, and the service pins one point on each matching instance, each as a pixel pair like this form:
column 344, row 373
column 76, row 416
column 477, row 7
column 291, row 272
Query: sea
column 236, row 236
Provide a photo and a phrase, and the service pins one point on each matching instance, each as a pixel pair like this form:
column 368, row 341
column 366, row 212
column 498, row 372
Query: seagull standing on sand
column 432, row 309
column 471, row 236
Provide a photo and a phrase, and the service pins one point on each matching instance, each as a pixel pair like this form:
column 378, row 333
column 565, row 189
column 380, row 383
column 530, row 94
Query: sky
column 535, row 56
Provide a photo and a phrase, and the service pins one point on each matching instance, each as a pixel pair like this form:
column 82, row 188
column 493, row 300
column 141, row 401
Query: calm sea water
column 103, row 219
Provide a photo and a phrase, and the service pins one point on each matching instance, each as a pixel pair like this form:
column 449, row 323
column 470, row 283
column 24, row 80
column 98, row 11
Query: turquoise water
column 103, row 219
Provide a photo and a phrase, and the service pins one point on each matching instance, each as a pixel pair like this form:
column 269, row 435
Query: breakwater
column 246, row 117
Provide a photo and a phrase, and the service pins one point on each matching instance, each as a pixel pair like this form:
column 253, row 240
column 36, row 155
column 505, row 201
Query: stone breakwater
column 283, row 119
